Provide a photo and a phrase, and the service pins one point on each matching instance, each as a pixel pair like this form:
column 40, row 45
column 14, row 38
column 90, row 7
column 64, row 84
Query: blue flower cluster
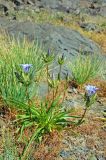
column 26, row 67
column 91, row 90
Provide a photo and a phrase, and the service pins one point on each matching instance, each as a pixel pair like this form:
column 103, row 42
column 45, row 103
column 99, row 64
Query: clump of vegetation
column 11, row 57
column 85, row 68
column 21, row 70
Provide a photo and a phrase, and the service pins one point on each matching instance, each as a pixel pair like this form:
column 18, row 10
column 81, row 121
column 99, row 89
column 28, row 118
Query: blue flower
column 26, row 67
column 91, row 90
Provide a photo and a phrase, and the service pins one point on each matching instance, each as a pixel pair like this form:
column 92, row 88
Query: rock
column 43, row 89
column 90, row 27
column 73, row 103
column 17, row 2
column 65, row 154
column 93, row 12
column 59, row 39
column 60, row 5
column 103, row 11
column 6, row 7
column 3, row 8
column 29, row 2
column 94, row 7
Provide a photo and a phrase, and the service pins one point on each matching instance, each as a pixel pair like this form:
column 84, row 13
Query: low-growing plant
column 48, row 114
column 85, row 68
column 44, row 118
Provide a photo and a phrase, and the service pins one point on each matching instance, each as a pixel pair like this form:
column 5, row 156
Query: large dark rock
column 60, row 39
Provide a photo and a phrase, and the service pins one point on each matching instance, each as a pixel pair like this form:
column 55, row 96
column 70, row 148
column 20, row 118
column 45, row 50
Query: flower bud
column 48, row 57
column 61, row 59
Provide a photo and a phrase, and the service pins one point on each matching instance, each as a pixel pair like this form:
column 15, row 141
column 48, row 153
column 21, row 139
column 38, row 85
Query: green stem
column 47, row 69
column 53, row 94
column 27, row 97
column 56, row 91
column 34, row 136
column 59, row 74
column 81, row 120
column 65, row 89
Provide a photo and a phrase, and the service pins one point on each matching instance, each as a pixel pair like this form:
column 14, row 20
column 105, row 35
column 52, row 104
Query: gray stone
column 103, row 11
column 59, row 39
column 60, row 5
column 91, row 27
column 72, row 104
column 88, row 26
column 94, row 7
column 42, row 89
column 65, row 154
column 17, row 2
column 5, row 6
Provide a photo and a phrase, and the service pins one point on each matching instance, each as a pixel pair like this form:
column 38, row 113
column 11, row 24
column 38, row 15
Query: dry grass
column 49, row 148
column 91, row 127
column 99, row 38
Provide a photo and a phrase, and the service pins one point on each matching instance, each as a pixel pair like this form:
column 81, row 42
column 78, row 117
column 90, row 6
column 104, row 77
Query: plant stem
column 53, row 94
column 56, row 91
column 34, row 136
column 81, row 120
column 59, row 74
column 65, row 89
column 47, row 69
column 27, row 97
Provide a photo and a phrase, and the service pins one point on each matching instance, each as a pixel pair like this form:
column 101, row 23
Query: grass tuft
column 12, row 54
column 85, row 68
